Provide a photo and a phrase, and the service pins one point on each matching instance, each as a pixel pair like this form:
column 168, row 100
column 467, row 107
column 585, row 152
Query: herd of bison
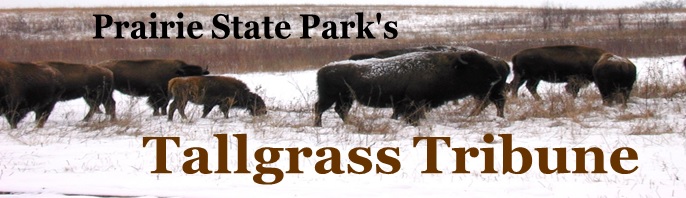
column 411, row 81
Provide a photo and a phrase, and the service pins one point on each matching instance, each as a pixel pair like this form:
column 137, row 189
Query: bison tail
column 171, row 86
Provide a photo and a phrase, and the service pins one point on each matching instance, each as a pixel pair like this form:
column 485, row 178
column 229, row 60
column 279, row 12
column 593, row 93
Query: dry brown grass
column 554, row 105
column 365, row 120
column 27, row 35
column 646, row 127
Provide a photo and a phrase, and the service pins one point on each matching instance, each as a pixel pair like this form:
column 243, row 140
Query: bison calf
column 26, row 87
column 209, row 91
column 614, row 77
column 95, row 84
column 410, row 83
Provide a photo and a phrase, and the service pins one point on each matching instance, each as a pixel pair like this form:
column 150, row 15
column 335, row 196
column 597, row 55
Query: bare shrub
column 662, row 4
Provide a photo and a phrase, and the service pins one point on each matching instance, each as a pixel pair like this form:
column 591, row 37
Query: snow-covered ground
column 71, row 157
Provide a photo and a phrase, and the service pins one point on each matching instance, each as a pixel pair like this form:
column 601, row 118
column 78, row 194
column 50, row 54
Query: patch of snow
column 71, row 157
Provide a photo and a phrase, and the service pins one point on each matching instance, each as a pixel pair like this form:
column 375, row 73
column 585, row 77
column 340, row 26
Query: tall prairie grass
column 66, row 34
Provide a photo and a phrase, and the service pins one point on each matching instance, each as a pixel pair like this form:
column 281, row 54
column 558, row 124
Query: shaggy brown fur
column 555, row 64
column 95, row 84
column 614, row 77
column 26, row 87
column 410, row 83
column 500, row 65
column 209, row 91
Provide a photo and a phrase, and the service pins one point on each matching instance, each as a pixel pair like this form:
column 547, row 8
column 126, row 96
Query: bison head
column 192, row 70
column 256, row 105
column 476, row 64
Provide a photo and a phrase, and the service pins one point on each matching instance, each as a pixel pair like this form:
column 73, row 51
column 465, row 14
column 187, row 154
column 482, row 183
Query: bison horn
column 496, row 81
column 459, row 58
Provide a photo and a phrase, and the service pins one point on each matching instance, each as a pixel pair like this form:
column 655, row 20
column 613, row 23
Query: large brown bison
column 149, row 78
column 614, row 77
column 95, row 84
column 556, row 64
column 410, row 83
column 501, row 67
column 26, row 87
column 209, row 91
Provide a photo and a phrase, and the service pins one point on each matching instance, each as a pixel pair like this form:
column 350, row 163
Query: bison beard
column 149, row 78
column 410, row 83
column 555, row 64
column 26, row 87
column 210, row 91
column 614, row 77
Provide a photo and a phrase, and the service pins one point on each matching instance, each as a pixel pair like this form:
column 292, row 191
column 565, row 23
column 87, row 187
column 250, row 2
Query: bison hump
column 402, row 65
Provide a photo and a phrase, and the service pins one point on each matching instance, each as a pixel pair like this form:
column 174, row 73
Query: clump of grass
column 644, row 127
column 554, row 105
column 646, row 114
column 372, row 121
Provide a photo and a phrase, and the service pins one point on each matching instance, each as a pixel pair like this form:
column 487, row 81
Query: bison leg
column 182, row 109
column 398, row 110
column 225, row 110
column 605, row 94
column 481, row 104
column 207, row 108
column 163, row 106
column 319, row 108
column 516, row 82
column 172, row 109
column 14, row 117
column 343, row 106
column 44, row 113
column 110, row 107
column 152, row 102
column 498, row 98
column 499, row 102
column 532, row 85
column 574, row 84
column 159, row 104
column 416, row 113
column 626, row 93
column 93, row 108
column 178, row 103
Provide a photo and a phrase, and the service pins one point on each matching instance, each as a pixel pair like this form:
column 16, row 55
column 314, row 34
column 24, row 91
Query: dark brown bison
column 500, row 65
column 149, row 78
column 26, row 87
column 95, row 84
column 410, row 83
column 209, row 91
column 614, row 77
column 555, row 64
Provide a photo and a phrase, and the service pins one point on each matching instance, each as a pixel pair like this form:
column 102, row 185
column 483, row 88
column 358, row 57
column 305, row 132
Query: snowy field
column 71, row 157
